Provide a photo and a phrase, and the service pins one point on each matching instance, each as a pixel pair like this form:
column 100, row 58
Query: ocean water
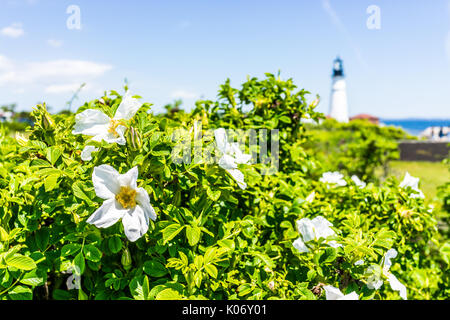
column 416, row 126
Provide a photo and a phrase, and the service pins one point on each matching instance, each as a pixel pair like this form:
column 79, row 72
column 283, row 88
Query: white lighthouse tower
column 338, row 100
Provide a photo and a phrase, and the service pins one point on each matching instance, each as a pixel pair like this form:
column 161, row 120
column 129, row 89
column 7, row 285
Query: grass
column 431, row 174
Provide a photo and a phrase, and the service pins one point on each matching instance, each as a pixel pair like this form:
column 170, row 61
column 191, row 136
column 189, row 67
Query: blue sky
column 186, row 49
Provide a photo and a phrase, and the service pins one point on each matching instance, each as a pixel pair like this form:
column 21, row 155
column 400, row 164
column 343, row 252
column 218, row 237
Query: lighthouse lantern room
column 338, row 100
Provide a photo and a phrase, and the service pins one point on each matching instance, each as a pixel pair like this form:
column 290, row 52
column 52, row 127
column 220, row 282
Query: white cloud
column 63, row 88
column 183, row 94
column 13, row 31
column 54, row 43
column 50, row 72
column 5, row 63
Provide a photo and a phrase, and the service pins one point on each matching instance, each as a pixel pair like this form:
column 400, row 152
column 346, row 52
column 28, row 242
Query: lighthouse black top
column 338, row 69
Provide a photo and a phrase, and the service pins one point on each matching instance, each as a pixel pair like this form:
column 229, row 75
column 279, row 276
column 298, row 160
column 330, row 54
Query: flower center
column 386, row 272
column 126, row 197
column 113, row 124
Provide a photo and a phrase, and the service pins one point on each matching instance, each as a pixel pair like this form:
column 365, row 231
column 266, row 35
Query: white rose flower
column 123, row 200
column 99, row 126
column 332, row 293
column 333, row 178
column 314, row 229
column 232, row 156
column 413, row 183
column 375, row 281
column 358, row 182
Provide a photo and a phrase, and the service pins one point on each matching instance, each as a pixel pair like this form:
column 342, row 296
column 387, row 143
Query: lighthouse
column 338, row 100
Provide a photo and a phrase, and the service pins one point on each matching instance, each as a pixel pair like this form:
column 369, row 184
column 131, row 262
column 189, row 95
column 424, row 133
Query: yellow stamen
column 113, row 127
column 127, row 197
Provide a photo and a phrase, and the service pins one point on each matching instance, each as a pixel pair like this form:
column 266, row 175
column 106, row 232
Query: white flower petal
column 374, row 283
column 108, row 214
column 358, row 182
column 106, row 181
column 129, row 179
column 227, row 162
column 135, row 223
column 351, row 296
column 397, row 286
column 332, row 293
column 86, row 154
column 127, row 108
column 333, row 178
column 91, row 122
column 239, row 155
column 413, row 183
column 220, row 136
column 306, row 228
column 143, row 200
column 238, row 176
column 300, row 245
column 359, row 262
column 322, row 227
column 390, row 254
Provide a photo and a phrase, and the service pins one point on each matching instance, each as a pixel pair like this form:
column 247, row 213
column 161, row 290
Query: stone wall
column 423, row 150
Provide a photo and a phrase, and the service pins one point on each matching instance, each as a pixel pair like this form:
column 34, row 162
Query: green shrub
column 355, row 148
column 212, row 238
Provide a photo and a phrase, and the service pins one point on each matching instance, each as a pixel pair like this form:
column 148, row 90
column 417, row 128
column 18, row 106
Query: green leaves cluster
column 211, row 239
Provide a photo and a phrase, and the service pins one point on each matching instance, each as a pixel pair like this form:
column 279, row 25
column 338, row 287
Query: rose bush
column 278, row 228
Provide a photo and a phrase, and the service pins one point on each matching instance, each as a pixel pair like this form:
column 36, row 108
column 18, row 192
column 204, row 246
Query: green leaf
column 168, row 294
column 42, row 237
column 139, row 288
column 265, row 258
column 213, row 195
column 33, row 278
column 21, row 262
column 115, row 244
column 154, row 269
column 193, row 235
column 329, row 256
column 79, row 262
column 21, row 293
column 212, row 270
column 79, row 191
column 92, row 253
column 82, row 295
column 70, row 249
column 50, row 182
column 59, row 294
column 171, row 232
column 53, row 154
column 3, row 235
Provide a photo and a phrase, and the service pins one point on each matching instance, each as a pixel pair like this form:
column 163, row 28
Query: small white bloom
column 314, row 229
column 232, row 156
column 359, row 262
column 86, row 154
column 99, row 126
column 413, row 183
column 358, row 182
column 333, row 178
column 332, row 293
column 123, row 200
column 375, row 281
